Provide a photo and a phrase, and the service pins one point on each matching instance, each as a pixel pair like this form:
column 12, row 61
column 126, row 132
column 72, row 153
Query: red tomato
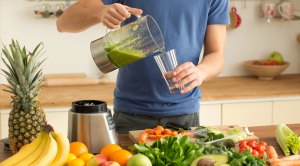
column 243, row 144
column 262, row 154
column 252, row 143
column 260, row 148
column 254, row 153
column 263, row 143
column 242, row 150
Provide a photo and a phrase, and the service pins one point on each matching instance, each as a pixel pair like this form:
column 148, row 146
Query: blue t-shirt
column 140, row 87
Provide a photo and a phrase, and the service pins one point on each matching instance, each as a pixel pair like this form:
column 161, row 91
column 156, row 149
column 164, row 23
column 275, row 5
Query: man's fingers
column 135, row 11
column 185, row 73
column 109, row 24
column 115, row 13
column 186, row 80
column 113, row 20
column 182, row 67
column 122, row 10
column 189, row 87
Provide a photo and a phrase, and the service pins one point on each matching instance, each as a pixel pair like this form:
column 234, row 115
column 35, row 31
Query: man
column 142, row 99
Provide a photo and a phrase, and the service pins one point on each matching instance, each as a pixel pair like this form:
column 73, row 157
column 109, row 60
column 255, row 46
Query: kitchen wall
column 69, row 53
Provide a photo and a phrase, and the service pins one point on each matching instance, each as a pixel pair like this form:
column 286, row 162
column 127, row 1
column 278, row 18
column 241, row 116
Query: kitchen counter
column 265, row 133
column 220, row 88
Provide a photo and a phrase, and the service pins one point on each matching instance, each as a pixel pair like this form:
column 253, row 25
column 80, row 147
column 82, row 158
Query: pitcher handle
column 136, row 15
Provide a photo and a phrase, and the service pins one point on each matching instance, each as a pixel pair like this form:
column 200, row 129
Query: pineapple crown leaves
column 24, row 72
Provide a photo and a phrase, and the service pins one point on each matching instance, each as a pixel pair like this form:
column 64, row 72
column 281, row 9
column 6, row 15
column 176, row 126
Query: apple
column 96, row 160
column 110, row 163
column 276, row 56
column 139, row 160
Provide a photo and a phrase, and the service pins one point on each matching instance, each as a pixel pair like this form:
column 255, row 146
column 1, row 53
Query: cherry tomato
column 252, row 143
column 263, row 143
column 260, row 148
column 254, row 153
column 242, row 150
column 262, row 154
column 243, row 144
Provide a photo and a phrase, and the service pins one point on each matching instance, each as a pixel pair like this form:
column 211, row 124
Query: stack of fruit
column 267, row 69
column 110, row 155
column 275, row 58
column 49, row 148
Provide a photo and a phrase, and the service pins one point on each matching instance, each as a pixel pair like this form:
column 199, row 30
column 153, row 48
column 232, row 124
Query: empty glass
column 167, row 62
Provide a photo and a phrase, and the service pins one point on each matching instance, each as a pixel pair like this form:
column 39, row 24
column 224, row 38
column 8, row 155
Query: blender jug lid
column 89, row 106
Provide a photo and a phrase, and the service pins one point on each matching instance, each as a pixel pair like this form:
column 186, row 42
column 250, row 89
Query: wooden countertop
column 220, row 88
column 265, row 133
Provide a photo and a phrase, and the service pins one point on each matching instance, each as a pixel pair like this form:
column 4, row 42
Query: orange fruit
column 77, row 162
column 78, row 148
column 121, row 156
column 109, row 149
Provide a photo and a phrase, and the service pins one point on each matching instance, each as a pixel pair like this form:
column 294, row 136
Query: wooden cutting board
column 134, row 135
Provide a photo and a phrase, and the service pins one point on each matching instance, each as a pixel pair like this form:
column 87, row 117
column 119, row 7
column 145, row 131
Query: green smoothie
column 123, row 56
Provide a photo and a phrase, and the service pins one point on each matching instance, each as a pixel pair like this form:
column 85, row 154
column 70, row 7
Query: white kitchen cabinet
column 4, row 124
column 247, row 113
column 58, row 118
column 210, row 114
column 287, row 111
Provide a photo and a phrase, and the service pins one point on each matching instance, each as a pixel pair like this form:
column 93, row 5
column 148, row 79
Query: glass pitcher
column 127, row 44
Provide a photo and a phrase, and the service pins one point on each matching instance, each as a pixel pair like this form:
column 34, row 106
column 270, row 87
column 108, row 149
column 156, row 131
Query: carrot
column 159, row 127
column 167, row 132
column 143, row 137
column 158, row 132
column 271, row 153
column 286, row 163
column 150, row 131
column 159, row 136
column 152, row 136
column 283, row 161
column 174, row 133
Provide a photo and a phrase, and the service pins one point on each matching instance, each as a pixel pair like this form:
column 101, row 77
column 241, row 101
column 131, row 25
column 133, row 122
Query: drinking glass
column 167, row 62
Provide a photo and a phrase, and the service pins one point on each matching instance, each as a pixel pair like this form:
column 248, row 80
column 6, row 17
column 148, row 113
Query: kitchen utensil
column 199, row 132
column 74, row 81
column 235, row 19
column 167, row 62
column 285, row 9
column 90, row 122
column 217, row 140
column 269, row 10
column 128, row 44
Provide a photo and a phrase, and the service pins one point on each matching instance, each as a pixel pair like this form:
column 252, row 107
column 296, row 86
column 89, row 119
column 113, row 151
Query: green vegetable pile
column 287, row 139
column 181, row 151
column 245, row 159
column 170, row 151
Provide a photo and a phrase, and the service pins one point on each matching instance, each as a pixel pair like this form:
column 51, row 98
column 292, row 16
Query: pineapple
column 24, row 76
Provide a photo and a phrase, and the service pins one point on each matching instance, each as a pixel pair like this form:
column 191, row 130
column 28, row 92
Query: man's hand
column 188, row 74
column 112, row 15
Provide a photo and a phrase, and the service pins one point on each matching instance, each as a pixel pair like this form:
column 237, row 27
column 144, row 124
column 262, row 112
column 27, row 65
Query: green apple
column 276, row 56
column 139, row 160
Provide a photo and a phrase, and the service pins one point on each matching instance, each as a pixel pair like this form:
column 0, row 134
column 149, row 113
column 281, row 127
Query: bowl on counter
column 265, row 72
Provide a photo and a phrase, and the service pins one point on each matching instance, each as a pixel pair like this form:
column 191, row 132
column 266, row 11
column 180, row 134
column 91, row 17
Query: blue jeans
column 126, row 122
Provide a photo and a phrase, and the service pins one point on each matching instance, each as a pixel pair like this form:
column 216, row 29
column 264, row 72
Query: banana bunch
column 50, row 148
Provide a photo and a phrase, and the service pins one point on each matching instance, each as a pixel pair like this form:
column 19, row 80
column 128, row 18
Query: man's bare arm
column 87, row 13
